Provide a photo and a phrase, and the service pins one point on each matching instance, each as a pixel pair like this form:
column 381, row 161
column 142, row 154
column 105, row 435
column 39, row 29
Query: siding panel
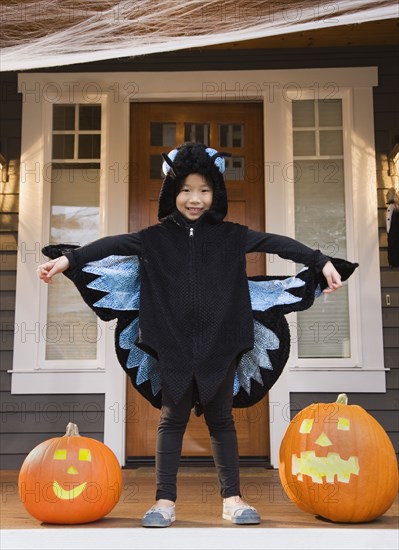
column 391, row 358
column 52, row 420
column 390, row 316
column 21, row 446
column 393, row 379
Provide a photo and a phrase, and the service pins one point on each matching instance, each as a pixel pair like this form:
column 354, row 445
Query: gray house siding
column 27, row 420
column 30, row 419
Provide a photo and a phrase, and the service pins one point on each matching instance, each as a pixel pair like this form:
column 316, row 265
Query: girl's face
column 195, row 197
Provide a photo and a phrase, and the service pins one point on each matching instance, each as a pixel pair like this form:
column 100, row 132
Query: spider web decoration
column 48, row 33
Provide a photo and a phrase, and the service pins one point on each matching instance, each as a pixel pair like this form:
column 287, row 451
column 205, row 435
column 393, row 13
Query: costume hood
column 193, row 158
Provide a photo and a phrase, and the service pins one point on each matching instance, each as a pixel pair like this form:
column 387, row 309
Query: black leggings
column 220, row 422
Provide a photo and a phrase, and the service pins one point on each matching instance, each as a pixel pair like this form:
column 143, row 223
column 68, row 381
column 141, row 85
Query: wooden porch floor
column 198, row 507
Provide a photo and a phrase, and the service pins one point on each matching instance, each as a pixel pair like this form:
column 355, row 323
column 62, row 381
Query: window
column 71, row 329
column 320, row 219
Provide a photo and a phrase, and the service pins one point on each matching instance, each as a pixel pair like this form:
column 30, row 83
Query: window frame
column 355, row 358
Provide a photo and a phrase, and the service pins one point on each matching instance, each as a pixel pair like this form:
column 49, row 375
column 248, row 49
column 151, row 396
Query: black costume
column 186, row 310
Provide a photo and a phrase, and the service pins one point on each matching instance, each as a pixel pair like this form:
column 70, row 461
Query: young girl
column 195, row 315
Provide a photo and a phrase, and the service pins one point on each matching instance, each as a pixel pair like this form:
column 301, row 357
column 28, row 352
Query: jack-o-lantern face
column 70, row 479
column 336, row 461
column 327, row 466
column 84, row 455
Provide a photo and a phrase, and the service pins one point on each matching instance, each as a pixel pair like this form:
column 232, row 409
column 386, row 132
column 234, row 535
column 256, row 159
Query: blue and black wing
column 111, row 288
column 272, row 298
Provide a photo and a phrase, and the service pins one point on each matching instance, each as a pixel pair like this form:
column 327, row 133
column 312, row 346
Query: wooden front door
column 234, row 128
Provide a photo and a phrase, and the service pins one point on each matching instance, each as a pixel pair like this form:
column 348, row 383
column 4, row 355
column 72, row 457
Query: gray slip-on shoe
column 240, row 513
column 159, row 516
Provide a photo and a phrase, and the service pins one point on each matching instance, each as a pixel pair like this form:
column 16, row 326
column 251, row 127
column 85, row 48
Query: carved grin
column 63, row 494
column 328, row 466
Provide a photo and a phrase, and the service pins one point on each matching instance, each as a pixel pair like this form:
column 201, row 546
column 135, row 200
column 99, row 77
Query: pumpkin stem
column 72, row 429
column 342, row 399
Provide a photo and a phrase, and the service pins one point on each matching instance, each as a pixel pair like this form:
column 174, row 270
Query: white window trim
column 275, row 90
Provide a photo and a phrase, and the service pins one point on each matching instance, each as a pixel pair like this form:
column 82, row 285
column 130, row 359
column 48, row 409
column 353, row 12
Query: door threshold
column 248, row 461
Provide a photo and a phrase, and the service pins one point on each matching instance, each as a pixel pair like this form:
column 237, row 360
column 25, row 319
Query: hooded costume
column 184, row 304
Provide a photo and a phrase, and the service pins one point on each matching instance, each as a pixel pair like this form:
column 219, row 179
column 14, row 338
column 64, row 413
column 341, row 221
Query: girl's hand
column 49, row 269
column 333, row 278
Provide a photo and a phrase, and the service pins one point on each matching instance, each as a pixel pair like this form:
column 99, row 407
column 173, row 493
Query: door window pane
column 196, row 132
column 163, row 133
column 234, row 168
column 231, row 135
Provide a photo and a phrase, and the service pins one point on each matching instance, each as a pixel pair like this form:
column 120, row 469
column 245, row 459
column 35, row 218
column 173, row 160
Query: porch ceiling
column 373, row 33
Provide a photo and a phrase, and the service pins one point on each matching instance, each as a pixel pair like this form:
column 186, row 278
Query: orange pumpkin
column 70, row 479
column 336, row 461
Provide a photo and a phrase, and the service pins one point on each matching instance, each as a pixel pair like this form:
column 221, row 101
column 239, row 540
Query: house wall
column 27, row 420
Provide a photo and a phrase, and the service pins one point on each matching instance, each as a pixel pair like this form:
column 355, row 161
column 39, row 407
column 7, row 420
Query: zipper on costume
column 193, row 285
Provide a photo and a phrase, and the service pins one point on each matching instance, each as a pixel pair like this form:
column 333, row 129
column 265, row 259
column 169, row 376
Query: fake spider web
column 48, row 33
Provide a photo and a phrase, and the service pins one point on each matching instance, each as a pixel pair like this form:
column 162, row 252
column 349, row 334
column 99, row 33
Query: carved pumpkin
column 70, row 479
column 336, row 461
